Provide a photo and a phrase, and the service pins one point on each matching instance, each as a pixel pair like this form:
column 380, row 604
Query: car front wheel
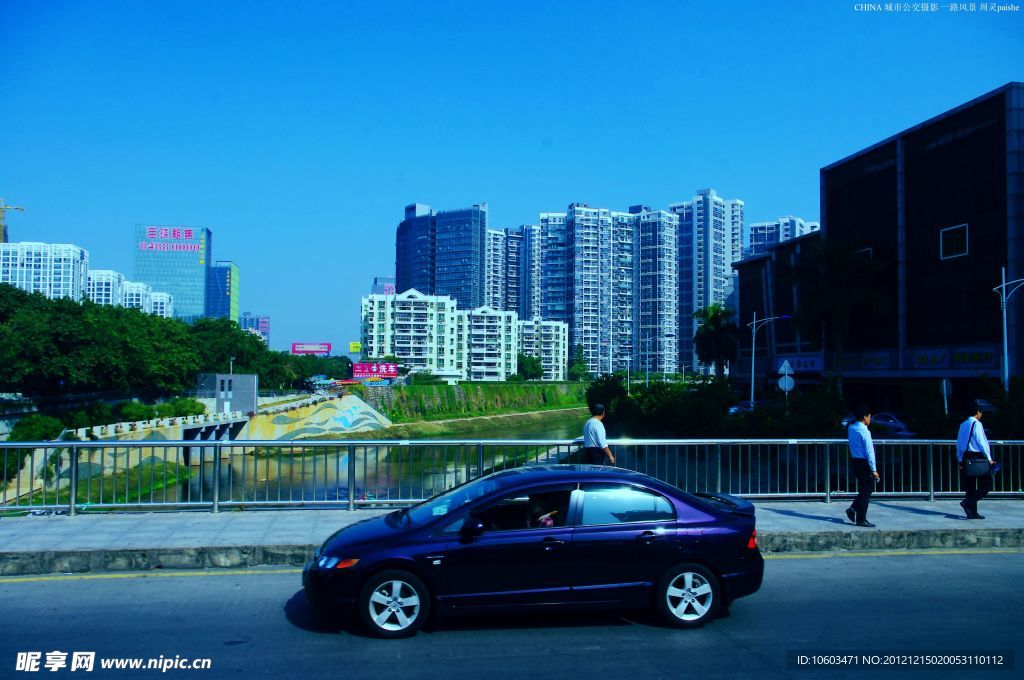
column 688, row 596
column 394, row 604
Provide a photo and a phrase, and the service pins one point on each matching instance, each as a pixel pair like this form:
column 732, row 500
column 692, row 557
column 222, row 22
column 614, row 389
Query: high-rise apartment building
column 162, row 304
column 222, row 284
column 658, row 285
column 57, row 270
column 384, row 285
column 175, row 260
column 513, row 270
column 429, row 333
column 491, row 343
column 764, row 235
column 255, row 322
column 555, row 279
column 105, row 287
column 137, row 295
column 710, row 240
column 548, row 340
column 530, row 273
column 495, row 269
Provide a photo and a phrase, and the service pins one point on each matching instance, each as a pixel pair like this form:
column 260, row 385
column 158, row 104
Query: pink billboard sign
column 370, row 370
column 311, row 348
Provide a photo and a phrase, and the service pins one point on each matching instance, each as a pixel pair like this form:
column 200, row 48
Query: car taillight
column 752, row 543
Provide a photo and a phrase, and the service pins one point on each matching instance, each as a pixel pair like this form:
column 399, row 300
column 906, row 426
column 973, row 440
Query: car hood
column 363, row 532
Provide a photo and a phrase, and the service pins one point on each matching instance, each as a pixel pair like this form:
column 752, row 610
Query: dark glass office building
column 175, row 260
column 460, row 256
column 222, row 291
column 443, row 253
column 415, row 243
column 938, row 208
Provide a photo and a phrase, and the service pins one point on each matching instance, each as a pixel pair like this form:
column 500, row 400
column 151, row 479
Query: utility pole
column 3, row 222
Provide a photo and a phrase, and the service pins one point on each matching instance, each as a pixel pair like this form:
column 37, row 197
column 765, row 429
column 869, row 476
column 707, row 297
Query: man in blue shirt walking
column 595, row 442
column 862, row 457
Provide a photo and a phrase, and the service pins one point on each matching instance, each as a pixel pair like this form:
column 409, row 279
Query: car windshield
column 451, row 500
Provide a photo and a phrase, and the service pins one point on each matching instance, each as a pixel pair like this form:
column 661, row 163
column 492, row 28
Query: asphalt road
column 255, row 624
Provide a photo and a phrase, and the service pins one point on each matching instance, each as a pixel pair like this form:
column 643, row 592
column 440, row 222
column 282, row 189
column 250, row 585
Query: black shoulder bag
column 974, row 467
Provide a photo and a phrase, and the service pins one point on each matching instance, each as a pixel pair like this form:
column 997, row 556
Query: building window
column 953, row 242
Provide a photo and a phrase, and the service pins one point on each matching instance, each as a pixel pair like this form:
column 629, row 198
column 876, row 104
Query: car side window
column 621, row 503
column 527, row 509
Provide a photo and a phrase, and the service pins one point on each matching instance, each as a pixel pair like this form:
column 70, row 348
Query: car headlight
column 335, row 563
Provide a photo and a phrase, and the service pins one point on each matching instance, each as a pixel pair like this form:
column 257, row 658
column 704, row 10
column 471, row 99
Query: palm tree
column 717, row 337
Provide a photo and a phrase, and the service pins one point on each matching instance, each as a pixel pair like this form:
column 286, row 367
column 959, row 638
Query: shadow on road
column 301, row 615
column 803, row 515
column 298, row 612
column 919, row 511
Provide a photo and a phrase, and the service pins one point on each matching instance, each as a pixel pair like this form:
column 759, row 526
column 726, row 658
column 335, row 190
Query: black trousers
column 594, row 455
column 975, row 488
column 865, row 485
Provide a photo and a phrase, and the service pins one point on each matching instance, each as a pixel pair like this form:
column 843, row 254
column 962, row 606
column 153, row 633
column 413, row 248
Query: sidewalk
column 192, row 540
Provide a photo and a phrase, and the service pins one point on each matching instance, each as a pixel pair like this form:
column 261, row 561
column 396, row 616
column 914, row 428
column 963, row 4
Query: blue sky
column 297, row 132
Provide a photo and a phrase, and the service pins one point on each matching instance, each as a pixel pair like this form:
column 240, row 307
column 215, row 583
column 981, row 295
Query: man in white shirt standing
column 972, row 444
column 595, row 441
column 862, row 457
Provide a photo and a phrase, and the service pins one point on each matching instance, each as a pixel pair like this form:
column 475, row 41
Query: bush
column 131, row 411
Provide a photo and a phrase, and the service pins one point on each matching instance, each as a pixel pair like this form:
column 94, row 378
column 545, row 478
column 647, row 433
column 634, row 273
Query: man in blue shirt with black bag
column 862, row 455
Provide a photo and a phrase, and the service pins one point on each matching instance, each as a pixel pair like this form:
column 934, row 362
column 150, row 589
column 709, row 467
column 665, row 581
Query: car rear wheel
column 688, row 596
column 394, row 604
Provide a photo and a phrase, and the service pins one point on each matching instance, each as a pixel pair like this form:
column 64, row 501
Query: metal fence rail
column 211, row 475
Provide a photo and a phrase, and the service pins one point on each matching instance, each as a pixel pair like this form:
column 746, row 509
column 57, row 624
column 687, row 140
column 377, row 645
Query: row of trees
column 54, row 347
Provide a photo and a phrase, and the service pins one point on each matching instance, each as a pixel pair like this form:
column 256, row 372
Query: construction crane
column 3, row 215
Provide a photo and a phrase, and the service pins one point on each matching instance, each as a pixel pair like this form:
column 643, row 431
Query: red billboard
column 368, row 370
column 311, row 348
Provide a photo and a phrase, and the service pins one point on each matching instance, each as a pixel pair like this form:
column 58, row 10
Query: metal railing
column 211, row 475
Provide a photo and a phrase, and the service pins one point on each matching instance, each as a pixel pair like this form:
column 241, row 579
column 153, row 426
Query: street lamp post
column 231, row 365
column 1004, row 291
column 754, row 325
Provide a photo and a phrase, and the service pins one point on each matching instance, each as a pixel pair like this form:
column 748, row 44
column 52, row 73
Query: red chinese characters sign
column 368, row 370
column 163, row 239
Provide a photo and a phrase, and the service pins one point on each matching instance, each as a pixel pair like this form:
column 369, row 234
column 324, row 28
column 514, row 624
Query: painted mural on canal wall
column 325, row 418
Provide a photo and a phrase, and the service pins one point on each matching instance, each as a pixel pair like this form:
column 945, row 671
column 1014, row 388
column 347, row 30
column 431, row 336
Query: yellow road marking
column 147, row 574
column 892, row 553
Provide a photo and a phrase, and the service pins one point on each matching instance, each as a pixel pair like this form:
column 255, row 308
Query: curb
column 26, row 563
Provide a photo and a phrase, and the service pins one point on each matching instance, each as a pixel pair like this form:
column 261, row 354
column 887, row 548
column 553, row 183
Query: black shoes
column 865, row 523
column 852, row 515
column 971, row 514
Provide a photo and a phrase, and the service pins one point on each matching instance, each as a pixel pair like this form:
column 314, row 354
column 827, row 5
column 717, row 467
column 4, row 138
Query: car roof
column 552, row 473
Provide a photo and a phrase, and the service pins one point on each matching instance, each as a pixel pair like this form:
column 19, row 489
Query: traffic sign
column 786, row 369
column 786, row 383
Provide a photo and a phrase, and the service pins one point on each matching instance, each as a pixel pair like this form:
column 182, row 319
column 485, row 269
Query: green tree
column 717, row 337
column 578, row 369
column 530, row 367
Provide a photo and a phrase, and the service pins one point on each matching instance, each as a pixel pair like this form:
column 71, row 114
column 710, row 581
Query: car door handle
column 648, row 537
column 550, row 542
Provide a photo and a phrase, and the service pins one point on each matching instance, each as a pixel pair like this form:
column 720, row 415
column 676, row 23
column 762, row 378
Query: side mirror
column 472, row 528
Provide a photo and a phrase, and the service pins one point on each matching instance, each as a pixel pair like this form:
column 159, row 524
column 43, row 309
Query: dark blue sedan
column 567, row 535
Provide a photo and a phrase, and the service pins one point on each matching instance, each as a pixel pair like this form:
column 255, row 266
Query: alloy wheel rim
column 689, row 596
column 394, row 605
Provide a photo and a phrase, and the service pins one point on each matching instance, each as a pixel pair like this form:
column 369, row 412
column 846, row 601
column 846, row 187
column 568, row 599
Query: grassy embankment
column 420, row 411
